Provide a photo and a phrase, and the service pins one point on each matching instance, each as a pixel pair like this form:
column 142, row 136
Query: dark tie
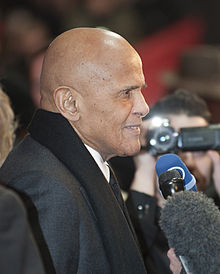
column 115, row 187
column 117, row 192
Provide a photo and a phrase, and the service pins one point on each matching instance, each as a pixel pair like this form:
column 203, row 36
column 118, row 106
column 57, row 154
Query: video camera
column 161, row 138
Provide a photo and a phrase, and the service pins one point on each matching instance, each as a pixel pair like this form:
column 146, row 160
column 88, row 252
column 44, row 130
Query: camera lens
column 161, row 139
column 164, row 137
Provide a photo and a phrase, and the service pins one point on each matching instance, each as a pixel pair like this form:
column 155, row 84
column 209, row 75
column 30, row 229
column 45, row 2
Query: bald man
column 91, row 110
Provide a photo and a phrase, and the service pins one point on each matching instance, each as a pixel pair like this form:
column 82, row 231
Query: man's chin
column 131, row 151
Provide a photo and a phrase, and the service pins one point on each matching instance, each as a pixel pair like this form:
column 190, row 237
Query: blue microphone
column 171, row 161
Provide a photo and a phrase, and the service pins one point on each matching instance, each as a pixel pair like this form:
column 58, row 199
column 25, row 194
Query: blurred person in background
column 121, row 16
column 198, row 72
column 35, row 66
column 18, row 251
column 7, row 126
column 23, row 36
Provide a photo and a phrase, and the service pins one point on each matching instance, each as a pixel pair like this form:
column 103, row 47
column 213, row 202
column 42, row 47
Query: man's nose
column 140, row 107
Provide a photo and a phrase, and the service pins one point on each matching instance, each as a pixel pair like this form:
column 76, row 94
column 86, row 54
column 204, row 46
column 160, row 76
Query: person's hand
column 144, row 178
column 145, row 175
column 214, row 155
column 175, row 264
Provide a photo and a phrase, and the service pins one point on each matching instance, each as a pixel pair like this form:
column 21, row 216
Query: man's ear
column 65, row 99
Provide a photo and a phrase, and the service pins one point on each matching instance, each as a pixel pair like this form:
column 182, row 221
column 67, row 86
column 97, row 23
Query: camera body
column 161, row 138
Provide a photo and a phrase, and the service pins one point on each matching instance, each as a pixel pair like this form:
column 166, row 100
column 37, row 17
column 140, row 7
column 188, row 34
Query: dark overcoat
column 75, row 218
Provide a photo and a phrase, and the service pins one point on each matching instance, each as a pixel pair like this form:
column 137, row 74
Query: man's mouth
column 134, row 128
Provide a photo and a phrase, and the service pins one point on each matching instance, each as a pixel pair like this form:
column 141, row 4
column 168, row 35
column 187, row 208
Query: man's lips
column 134, row 128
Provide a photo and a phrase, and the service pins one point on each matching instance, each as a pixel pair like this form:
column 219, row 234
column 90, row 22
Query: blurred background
column 178, row 41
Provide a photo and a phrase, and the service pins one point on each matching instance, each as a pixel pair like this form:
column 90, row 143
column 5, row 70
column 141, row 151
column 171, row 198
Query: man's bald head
column 78, row 58
column 93, row 77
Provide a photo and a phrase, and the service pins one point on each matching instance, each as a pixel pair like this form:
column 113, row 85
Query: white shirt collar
column 102, row 165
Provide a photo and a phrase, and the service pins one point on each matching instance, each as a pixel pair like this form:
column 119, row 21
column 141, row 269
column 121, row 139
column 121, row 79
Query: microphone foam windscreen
column 191, row 223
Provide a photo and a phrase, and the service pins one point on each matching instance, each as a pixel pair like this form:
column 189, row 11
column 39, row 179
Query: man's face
column 198, row 162
column 112, row 109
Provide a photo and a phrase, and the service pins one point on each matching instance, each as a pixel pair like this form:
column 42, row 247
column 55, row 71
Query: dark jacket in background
column 18, row 251
column 145, row 215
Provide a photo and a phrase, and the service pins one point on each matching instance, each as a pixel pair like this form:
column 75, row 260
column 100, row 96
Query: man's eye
column 127, row 92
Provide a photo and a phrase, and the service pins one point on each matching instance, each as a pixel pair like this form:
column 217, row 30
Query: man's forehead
column 183, row 120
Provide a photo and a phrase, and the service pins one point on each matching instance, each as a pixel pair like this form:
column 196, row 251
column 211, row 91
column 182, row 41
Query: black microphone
column 170, row 182
column 191, row 223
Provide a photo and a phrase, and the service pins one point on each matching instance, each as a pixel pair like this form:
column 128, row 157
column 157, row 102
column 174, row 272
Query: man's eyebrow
column 134, row 87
